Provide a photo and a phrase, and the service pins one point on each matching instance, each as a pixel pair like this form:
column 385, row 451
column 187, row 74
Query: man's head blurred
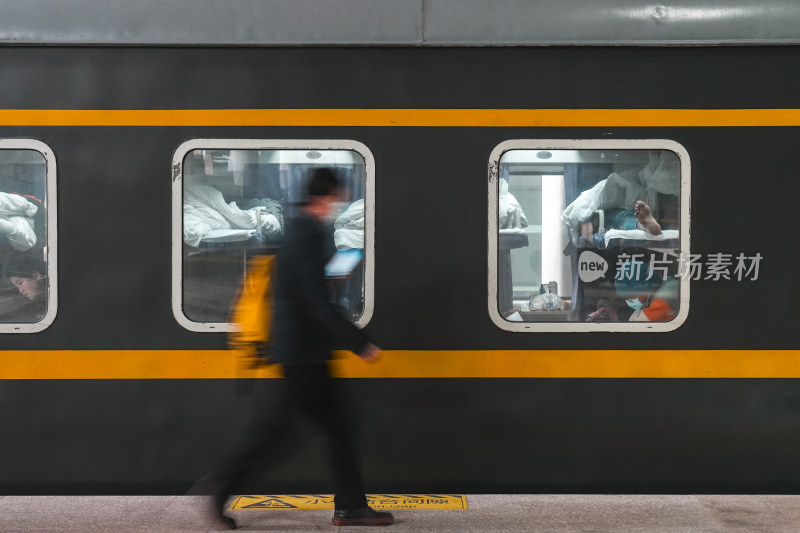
column 325, row 194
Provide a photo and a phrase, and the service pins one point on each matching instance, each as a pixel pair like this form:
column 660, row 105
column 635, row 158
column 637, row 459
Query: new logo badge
column 591, row 266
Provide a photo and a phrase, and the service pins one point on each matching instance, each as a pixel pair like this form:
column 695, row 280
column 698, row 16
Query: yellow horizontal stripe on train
column 223, row 364
column 403, row 117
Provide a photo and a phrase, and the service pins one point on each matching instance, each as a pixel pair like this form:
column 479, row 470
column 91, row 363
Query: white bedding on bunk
column 205, row 213
column 16, row 221
column 638, row 234
column 510, row 213
column 228, row 235
column 348, row 231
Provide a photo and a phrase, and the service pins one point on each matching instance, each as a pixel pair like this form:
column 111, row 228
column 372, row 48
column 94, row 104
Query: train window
column 27, row 236
column 588, row 235
column 232, row 199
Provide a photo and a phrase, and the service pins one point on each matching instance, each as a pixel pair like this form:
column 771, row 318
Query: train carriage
column 151, row 150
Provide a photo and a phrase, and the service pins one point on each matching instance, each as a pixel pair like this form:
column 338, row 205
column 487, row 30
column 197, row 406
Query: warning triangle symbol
column 270, row 503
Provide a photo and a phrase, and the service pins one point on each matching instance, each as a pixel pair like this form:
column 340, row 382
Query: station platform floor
column 485, row 513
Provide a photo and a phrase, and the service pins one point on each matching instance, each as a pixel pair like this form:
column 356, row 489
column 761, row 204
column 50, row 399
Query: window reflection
column 237, row 203
column 588, row 235
column 23, row 236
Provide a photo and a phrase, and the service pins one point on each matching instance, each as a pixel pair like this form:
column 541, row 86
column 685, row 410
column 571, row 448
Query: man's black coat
column 307, row 325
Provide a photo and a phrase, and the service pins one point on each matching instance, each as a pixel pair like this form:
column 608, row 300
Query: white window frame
column 587, row 144
column 267, row 144
column 52, row 242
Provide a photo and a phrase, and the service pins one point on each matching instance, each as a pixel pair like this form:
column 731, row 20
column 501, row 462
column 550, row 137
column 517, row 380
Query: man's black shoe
column 210, row 484
column 218, row 500
column 363, row 516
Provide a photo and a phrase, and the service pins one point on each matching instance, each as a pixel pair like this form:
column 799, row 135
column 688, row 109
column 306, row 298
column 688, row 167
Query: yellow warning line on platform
column 310, row 502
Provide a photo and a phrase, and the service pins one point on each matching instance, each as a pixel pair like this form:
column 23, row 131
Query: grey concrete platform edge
column 486, row 513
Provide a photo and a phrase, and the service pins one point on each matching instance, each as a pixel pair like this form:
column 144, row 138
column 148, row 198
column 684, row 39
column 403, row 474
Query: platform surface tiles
column 483, row 513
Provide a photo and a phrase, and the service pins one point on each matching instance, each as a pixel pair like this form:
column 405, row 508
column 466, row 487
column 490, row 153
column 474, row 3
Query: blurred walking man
column 306, row 327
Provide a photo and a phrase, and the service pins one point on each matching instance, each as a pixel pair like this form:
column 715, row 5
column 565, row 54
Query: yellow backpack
column 251, row 313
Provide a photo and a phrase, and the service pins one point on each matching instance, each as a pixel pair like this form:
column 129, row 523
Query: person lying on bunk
column 28, row 275
column 640, row 218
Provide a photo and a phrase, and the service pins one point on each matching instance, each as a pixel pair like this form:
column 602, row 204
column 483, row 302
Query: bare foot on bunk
column 645, row 219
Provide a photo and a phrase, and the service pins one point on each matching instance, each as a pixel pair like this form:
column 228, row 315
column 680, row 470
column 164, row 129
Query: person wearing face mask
column 335, row 209
column 644, row 293
column 306, row 327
